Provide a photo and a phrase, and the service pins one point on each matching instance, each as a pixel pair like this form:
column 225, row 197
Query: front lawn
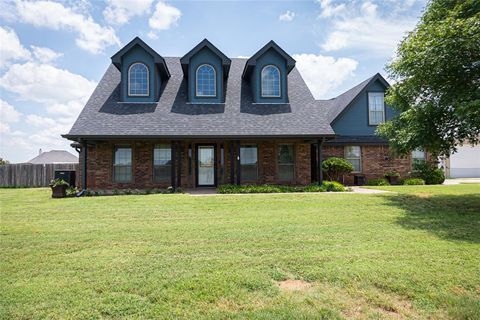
column 413, row 254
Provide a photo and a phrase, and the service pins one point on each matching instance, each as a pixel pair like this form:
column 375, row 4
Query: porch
column 142, row 164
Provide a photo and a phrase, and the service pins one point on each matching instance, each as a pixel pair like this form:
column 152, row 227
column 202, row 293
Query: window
column 206, row 82
column 353, row 154
column 138, row 80
column 248, row 162
column 270, row 81
column 376, row 108
column 122, row 166
column 162, row 162
column 286, row 161
column 418, row 155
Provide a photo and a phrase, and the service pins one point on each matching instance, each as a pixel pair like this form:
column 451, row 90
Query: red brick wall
column 376, row 161
column 100, row 164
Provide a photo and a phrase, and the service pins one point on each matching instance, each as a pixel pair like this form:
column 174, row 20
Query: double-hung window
column 353, row 154
column 122, row 165
column 376, row 108
column 286, row 162
column 162, row 163
column 249, row 162
column 418, row 156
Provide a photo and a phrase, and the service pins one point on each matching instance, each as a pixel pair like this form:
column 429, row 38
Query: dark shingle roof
column 337, row 105
column 54, row 156
column 172, row 116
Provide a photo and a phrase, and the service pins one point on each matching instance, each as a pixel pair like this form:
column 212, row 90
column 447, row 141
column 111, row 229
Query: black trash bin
column 359, row 180
column 66, row 175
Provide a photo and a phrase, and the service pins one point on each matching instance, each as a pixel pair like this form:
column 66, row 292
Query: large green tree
column 437, row 74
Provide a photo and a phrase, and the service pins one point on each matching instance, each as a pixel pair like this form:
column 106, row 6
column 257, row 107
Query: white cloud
column 91, row 36
column 8, row 113
column 164, row 17
column 14, row 50
column 323, row 74
column 39, row 121
column 45, row 55
column 45, row 83
column 360, row 26
column 60, row 93
column 287, row 16
column 329, row 10
column 121, row 11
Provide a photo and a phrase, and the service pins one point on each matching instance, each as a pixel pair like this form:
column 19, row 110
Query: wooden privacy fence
column 31, row 175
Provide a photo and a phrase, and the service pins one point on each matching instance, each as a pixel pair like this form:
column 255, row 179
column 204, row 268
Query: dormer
column 143, row 71
column 267, row 72
column 205, row 69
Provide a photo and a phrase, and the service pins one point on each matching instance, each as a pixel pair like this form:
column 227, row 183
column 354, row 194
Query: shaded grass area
column 412, row 254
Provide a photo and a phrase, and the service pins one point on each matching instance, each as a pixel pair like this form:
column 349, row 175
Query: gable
column 353, row 119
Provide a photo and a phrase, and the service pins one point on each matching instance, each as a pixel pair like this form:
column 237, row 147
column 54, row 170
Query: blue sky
column 52, row 54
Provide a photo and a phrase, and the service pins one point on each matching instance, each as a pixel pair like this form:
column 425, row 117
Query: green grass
column 408, row 254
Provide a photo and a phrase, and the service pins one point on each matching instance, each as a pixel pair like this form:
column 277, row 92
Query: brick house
column 205, row 120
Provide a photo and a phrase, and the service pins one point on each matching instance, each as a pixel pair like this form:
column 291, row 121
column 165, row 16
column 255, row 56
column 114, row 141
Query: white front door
column 206, row 165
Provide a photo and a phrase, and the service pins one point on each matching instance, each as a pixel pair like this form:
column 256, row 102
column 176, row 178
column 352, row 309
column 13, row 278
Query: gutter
column 78, row 148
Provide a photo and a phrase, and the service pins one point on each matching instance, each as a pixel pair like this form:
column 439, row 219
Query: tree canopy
column 437, row 75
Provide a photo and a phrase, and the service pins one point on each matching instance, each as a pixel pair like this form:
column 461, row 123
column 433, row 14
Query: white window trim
column 279, row 83
column 424, row 158
column 373, row 93
column 214, row 81
column 148, row 81
column 345, row 156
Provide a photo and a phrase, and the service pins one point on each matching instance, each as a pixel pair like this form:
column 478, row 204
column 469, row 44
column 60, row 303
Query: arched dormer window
column 270, row 81
column 206, row 82
column 138, row 80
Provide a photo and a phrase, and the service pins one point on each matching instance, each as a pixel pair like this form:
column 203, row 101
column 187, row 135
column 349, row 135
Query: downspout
column 84, row 176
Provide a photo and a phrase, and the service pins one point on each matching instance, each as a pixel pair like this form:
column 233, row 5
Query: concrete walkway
column 461, row 180
column 213, row 192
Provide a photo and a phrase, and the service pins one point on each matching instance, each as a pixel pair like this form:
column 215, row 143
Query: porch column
column 232, row 164
column 174, row 158
column 239, row 169
column 179, row 165
column 320, row 161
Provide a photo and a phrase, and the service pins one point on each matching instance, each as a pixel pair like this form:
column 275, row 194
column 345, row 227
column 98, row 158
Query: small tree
column 3, row 161
column 335, row 168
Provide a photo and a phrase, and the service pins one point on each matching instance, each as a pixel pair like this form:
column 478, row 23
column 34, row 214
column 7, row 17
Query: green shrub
column 335, row 168
column 391, row 174
column 72, row 191
column 58, row 182
column 267, row 188
column 314, row 187
column 429, row 172
column 333, row 186
column 378, row 182
column 413, row 182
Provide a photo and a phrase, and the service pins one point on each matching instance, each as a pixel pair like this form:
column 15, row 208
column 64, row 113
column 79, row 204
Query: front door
column 206, row 166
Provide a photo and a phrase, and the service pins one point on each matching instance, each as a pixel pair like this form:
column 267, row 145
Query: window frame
column 115, row 148
column 383, row 109
column 148, row 80
column 279, row 82
column 214, row 82
column 256, row 164
column 360, row 158
column 418, row 159
column 169, row 177
column 278, row 164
